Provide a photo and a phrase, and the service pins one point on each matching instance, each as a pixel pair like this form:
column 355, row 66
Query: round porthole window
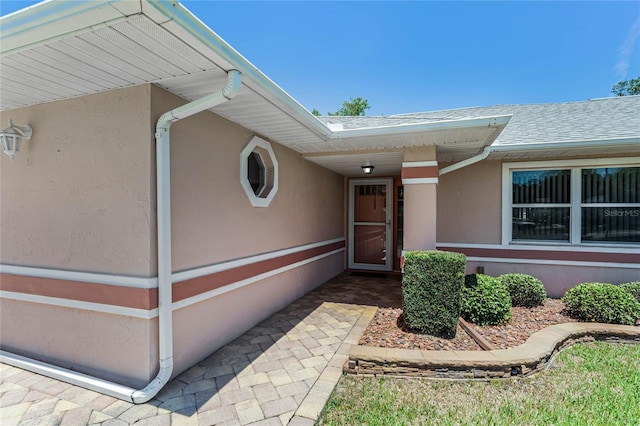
column 259, row 172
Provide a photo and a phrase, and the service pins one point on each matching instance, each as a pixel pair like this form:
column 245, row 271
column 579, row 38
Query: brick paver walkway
column 279, row 372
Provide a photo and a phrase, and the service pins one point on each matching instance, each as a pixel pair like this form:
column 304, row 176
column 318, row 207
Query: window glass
column 255, row 172
column 542, row 187
column 615, row 224
column 541, row 223
column 605, row 206
column 611, row 185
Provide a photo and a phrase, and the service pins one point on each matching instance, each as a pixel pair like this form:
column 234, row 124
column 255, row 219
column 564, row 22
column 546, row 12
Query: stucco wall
column 118, row 348
column 212, row 217
column 77, row 195
column 469, row 204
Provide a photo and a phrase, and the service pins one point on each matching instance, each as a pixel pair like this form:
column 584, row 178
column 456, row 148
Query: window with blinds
column 576, row 205
column 541, row 205
column 610, row 204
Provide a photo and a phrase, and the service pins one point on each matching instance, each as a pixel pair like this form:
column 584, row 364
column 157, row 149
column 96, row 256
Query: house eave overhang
column 566, row 149
column 489, row 122
column 631, row 142
column 51, row 21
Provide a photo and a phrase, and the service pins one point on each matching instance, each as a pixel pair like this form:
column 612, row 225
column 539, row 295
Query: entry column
column 420, row 179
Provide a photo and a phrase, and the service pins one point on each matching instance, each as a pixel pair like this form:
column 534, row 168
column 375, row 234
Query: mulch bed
column 387, row 330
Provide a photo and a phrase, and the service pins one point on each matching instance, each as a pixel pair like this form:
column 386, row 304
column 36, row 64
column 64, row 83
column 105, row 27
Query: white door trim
column 388, row 266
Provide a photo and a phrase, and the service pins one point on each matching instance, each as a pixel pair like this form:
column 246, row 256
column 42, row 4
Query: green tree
column 353, row 107
column 627, row 87
column 315, row 112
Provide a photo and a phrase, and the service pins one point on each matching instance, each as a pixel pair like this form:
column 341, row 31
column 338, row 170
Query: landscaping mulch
column 387, row 330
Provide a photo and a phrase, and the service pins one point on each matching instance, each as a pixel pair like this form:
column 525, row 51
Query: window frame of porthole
column 266, row 159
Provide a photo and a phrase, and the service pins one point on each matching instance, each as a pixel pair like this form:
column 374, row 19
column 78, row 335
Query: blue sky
column 427, row 55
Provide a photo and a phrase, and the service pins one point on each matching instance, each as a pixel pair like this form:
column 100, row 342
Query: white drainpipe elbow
column 469, row 161
column 165, row 311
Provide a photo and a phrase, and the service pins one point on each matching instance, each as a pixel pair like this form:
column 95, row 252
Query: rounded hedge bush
column 485, row 300
column 632, row 288
column 599, row 302
column 524, row 289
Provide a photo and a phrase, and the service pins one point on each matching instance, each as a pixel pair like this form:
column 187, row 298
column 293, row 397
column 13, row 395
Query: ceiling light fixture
column 367, row 169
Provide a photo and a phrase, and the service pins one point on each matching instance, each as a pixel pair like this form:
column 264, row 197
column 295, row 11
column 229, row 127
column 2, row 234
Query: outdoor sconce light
column 12, row 136
column 367, row 169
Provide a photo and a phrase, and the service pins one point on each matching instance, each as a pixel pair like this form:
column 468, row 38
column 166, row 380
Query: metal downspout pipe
column 165, row 313
column 163, row 194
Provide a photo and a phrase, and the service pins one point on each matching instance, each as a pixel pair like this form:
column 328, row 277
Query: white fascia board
column 494, row 121
column 579, row 143
column 180, row 21
column 52, row 20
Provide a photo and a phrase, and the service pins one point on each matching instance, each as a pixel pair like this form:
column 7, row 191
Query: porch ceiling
column 386, row 152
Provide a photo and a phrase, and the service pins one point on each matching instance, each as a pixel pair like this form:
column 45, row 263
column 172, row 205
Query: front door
column 370, row 218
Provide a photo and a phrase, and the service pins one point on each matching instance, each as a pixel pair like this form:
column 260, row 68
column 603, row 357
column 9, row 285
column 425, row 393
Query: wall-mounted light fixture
column 12, row 136
column 367, row 169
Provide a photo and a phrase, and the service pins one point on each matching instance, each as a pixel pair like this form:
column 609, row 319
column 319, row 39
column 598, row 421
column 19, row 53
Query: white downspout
column 163, row 191
column 165, row 314
column 469, row 161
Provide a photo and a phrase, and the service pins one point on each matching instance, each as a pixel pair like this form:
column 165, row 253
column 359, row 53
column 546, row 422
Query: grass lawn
column 588, row 384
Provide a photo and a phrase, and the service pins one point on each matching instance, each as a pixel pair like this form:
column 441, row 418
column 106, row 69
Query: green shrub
column 524, row 290
column 431, row 288
column 632, row 288
column 485, row 300
column 600, row 302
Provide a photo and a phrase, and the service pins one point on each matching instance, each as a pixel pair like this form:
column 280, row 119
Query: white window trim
column 256, row 200
column 576, row 202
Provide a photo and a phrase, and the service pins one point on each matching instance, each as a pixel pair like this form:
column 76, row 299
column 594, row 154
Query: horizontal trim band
column 75, row 304
column 546, row 255
column 150, row 314
column 554, row 262
column 104, row 294
column 207, row 270
column 189, row 288
column 151, row 282
column 419, row 172
column 147, row 299
column 233, row 286
column 87, row 277
column 419, row 164
column 588, row 248
column 419, row 181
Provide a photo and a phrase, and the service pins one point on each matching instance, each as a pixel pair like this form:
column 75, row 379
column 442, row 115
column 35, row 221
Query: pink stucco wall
column 78, row 194
column 81, row 197
column 469, row 204
column 213, row 220
column 118, row 348
column 202, row 328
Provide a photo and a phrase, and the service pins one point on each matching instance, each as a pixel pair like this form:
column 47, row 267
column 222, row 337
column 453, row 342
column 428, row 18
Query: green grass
column 588, row 384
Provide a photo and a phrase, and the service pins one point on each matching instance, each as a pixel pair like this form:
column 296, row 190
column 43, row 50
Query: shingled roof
column 595, row 119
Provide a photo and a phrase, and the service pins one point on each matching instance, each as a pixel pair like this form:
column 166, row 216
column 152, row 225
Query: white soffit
column 99, row 49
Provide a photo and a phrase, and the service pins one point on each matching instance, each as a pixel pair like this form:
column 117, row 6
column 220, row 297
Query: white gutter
column 590, row 143
column 493, row 121
column 593, row 143
column 165, row 315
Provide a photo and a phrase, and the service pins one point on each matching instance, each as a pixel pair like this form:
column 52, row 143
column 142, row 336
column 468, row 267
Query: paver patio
column 280, row 372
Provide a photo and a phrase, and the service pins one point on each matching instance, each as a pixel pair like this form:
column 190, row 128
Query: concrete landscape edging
column 523, row 360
